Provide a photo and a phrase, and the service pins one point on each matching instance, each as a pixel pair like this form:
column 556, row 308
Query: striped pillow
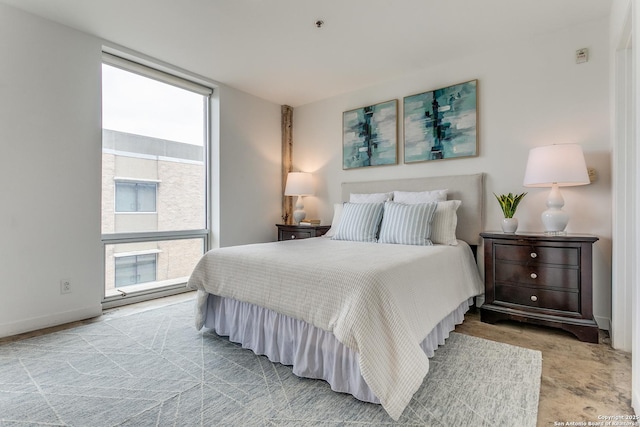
column 407, row 224
column 359, row 222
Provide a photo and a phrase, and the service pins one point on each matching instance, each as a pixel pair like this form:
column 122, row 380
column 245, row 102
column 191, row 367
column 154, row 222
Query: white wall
column 49, row 173
column 624, row 36
column 529, row 95
column 250, row 169
column 624, row 176
column 50, row 167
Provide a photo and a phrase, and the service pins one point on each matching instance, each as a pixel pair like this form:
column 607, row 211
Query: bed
column 363, row 316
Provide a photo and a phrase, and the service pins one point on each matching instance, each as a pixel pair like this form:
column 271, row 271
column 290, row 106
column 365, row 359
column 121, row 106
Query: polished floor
column 580, row 381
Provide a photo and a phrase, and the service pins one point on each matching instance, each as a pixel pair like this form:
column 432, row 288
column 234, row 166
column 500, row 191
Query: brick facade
column 179, row 172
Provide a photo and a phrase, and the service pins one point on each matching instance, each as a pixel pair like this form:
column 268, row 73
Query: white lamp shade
column 299, row 184
column 556, row 166
column 561, row 164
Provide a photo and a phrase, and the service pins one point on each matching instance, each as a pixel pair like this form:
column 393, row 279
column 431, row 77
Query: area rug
column 154, row 369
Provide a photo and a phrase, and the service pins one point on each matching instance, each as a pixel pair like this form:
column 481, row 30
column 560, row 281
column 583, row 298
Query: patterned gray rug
column 154, row 369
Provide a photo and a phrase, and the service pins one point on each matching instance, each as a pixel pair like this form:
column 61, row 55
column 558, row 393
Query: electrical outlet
column 65, row 286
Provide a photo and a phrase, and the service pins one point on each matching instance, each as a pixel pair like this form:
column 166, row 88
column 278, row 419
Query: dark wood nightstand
column 292, row 231
column 545, row 280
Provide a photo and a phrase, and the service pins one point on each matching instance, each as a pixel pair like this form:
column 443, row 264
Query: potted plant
column 509, row 203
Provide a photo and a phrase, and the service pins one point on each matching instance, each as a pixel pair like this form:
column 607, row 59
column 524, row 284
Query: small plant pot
column 509, row 225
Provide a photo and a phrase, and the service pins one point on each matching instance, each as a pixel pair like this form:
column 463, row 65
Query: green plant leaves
column 509, row 203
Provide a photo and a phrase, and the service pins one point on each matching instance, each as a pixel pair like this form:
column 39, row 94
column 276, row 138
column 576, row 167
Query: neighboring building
column 150, row 185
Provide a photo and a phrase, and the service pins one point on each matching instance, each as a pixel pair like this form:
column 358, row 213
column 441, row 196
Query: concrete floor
column 581, row 382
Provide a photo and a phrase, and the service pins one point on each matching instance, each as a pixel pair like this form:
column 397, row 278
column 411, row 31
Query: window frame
column 160, row 72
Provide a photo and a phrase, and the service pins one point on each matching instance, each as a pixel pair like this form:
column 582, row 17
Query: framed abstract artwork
column 441, row 124
column 370, row 136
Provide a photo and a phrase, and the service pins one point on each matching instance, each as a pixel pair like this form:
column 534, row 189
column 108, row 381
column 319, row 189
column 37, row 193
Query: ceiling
column 273, row 49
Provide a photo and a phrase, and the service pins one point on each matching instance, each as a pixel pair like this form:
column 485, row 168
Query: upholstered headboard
column 467, row 188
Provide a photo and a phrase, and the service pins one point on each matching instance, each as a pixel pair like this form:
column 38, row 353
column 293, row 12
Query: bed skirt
column 312, row 352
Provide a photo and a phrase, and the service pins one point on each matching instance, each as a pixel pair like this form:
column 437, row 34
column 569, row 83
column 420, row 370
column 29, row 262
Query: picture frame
column 441, row 124
column 370, row 135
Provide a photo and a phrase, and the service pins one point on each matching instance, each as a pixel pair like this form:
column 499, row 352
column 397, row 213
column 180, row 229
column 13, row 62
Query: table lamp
column 556, row 166
column 299, row 184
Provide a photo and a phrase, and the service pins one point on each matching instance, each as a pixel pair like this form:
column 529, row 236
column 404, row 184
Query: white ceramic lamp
column 556, row 166
column 299, row 184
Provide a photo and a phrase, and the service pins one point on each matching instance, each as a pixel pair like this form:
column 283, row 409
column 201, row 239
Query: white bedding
column 379, row 300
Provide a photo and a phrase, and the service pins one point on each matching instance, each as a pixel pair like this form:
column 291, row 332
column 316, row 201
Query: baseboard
column 53, row 319
column 603, row 322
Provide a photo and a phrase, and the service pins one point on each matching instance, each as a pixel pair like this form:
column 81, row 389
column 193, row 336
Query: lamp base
column 555, row 220
column 299, row 214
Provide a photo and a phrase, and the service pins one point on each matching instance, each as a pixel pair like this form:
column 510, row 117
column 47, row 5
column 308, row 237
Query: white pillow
column 444, row 223
column 359, row 222
column 337, row 214
column 407, row 224
column 370, row 197
column 412, row 197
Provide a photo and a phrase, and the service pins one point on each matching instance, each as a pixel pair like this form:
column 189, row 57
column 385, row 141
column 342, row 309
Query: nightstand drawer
column 537, row 275
column 540, row 298
column 294, row 234
column 537, row 254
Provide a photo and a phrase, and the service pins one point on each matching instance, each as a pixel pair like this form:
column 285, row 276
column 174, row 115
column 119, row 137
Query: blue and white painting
column 370, row 136
column 441, row 124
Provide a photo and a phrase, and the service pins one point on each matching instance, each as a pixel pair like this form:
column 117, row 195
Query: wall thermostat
column 582, row 55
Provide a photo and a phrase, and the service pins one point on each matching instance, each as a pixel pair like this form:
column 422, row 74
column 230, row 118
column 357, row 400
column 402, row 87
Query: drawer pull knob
column 534, row 298
column 534, row 255
column 534, row 276
column 293, row 236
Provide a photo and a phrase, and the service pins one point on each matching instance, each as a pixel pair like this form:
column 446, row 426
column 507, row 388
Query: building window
column 156, row 129
column 134, row 269
column 136, row 196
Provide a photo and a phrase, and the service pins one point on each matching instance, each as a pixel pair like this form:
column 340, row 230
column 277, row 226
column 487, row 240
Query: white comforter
column 379, row 300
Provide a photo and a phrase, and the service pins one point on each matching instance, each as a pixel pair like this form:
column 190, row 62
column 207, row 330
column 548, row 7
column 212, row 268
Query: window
column 135, row 196
column 134, row 269
column 155, row 140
